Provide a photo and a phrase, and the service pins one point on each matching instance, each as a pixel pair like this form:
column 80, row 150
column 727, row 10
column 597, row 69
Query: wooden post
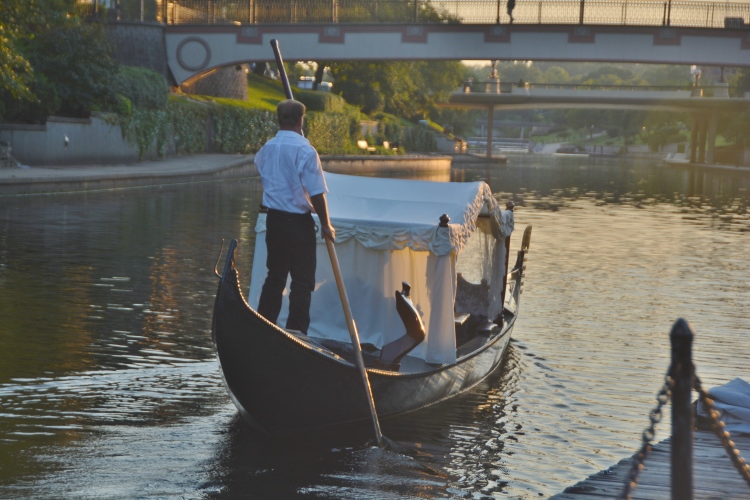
column 508, row 206
column 681, row 371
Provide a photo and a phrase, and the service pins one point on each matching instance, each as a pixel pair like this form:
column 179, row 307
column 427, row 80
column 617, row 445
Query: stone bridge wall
column 140, row 44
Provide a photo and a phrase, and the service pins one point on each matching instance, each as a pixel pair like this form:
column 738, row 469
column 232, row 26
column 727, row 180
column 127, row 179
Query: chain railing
column 587, row 12
column 678, row 382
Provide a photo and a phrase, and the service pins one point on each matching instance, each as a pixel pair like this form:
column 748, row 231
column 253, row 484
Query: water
column 109, row 387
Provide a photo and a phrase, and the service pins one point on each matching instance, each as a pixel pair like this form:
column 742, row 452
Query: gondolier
column 293, row 187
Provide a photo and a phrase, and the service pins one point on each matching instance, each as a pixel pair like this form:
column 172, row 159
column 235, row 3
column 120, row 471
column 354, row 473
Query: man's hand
column 328, row 232
column 321, row 208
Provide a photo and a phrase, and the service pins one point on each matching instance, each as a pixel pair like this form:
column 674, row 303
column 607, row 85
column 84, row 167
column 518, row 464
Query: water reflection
column 109, row 386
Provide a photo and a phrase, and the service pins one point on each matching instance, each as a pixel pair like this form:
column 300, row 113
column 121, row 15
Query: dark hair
column 289, row 112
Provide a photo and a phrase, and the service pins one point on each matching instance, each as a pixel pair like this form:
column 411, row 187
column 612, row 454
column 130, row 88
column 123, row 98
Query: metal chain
column 636, row 466
column 718, row 427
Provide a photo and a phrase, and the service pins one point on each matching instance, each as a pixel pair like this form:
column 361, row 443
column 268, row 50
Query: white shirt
column 291, row 172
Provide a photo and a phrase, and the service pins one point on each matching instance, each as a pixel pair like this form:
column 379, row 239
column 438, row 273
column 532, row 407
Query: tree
column 78, row 60
column 20, row 21
column 407, row 89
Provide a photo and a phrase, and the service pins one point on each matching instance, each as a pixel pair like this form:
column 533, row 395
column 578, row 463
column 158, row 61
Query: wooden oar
column 339, row 280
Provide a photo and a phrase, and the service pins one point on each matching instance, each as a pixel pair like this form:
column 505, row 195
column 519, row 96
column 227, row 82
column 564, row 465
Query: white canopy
column 387, row 232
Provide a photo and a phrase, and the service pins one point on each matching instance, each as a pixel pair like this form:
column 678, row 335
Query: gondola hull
column 283, row 383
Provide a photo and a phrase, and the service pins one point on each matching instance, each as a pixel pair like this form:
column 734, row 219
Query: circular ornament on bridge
column 193, row 53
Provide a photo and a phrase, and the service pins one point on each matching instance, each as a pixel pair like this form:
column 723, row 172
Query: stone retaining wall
column 375, row 165
column 139, row 44
column 69, row 141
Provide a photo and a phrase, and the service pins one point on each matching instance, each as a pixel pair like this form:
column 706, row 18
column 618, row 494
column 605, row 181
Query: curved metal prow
column 526, row 241
column 229, row 262
column 218, row 258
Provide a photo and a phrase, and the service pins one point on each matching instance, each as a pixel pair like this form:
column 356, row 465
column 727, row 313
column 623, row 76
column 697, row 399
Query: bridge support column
column 702, row 133
column 490, row 123
column 693, row 137
column 711, row 137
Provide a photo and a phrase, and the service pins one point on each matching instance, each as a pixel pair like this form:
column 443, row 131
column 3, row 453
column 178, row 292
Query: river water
column 109, row 386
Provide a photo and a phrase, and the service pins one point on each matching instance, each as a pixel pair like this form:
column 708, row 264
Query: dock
column 714, row 476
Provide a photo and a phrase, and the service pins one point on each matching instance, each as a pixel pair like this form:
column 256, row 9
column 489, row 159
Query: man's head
column 289, row 114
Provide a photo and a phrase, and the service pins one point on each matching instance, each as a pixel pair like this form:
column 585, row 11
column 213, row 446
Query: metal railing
column 495, row 87
column 586, row 12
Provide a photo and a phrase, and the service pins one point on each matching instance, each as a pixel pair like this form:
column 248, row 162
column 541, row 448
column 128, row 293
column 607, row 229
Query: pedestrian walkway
column 172, row 170
column 714, row 474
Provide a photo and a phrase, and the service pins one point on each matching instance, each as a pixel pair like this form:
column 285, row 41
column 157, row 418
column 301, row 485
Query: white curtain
column 372, row 278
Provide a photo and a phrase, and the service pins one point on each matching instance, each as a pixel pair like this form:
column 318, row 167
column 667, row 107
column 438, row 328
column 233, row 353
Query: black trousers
column 290, row 240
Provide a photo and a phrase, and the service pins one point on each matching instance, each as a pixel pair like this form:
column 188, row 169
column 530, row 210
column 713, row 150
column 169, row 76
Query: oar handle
column 354, row 336
column 282, row 70
column 339, row 280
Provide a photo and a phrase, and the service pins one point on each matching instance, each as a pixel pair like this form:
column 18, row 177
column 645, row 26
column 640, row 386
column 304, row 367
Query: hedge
column 418, row 139
column 143, row 87
column 238, row 130
column 320, row 101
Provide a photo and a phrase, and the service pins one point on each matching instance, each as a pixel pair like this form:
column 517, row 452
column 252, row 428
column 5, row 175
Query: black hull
column 281, row 383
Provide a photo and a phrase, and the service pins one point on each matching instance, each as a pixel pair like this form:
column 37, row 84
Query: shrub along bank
column 154, row 120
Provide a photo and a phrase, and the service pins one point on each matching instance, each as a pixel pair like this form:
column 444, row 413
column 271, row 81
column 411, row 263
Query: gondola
column 285, row 382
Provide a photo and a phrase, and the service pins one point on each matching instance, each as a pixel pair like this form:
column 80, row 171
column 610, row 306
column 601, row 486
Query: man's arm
column 321, row 208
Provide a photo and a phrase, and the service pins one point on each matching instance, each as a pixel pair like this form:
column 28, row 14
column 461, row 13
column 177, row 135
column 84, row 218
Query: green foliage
column 263, row 93
column 389, row 128
column 77, row 59
column 147, row 128
column 418, row 139
column 45, row 103
column 20, row 22
column 320, row 101
column 329, row 133
column 738, row 128
column 143, row 87
column 238, row 130
column 404, row 88
column 189, row 126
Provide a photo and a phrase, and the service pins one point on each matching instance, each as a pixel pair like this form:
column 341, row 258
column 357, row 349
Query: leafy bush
column 77, row 60
column 145, row 88
column 189, row 126
column 146, row 128
column 320, row 101
column 389, row 128
column 328, row 132
column 238, row 130
column 418, row 139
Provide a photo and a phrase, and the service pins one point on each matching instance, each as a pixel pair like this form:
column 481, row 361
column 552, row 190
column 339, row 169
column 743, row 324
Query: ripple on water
column 109, row 387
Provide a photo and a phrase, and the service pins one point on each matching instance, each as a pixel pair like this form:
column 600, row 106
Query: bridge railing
column 495, row 87
column 684, row 13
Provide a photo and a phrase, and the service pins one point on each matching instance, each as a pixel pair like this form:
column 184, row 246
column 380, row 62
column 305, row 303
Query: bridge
column 703, row 104
column 202, row 36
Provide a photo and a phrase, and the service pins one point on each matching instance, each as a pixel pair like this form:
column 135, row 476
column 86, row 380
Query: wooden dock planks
column 714, row 476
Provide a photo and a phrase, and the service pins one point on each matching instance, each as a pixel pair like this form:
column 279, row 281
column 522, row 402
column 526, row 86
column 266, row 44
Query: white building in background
column 306, row 82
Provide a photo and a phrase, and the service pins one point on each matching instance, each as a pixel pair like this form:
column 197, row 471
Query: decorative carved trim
column 190, row 67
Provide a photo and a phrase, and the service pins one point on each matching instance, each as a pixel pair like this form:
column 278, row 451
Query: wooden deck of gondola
column 714, row 475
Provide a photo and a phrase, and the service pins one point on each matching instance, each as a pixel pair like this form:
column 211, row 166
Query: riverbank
column 195, row 168
column 172, row 170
